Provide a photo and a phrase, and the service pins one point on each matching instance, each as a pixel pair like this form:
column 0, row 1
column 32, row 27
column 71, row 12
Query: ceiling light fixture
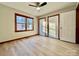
column 38, row 8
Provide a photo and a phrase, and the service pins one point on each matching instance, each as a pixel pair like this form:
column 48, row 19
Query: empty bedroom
column 39, row 29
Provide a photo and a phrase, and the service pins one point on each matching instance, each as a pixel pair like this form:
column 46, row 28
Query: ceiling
column 50, row 7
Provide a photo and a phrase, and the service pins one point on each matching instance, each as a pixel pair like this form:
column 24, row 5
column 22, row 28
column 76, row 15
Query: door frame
column 58, row 25
column 39, row 25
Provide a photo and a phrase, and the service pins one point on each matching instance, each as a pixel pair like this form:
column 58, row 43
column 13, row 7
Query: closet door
column 42, row 26
column 53, row 26
column 68, row 26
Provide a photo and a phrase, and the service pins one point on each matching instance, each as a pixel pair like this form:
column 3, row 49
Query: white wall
column 68, row 26
column 7, row 24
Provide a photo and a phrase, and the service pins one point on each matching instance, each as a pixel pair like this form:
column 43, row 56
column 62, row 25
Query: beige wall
column 7, row 24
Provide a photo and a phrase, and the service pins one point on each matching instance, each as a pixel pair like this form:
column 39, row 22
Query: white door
column 67, row 24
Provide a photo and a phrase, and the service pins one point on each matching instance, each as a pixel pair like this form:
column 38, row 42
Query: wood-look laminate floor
column 39, row 46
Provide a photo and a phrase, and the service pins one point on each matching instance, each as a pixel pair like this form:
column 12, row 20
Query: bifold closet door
column 53, row 26
column 42, row 27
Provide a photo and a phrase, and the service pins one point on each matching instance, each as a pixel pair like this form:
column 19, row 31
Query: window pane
column 20, row 19
column 29, row 24
column 20, row 26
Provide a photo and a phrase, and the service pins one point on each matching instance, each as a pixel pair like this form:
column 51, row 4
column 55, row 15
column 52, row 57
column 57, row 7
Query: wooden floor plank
column 39, row 46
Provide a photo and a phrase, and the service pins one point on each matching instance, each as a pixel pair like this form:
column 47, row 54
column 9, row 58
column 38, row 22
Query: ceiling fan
column 38, row 5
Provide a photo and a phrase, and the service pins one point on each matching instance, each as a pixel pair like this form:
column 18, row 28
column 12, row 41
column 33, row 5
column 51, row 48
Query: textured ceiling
column 50, row 7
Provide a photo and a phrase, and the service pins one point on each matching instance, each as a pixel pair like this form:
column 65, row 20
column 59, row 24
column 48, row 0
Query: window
column 23, row 23
column 20, row 22
column 53, row 25
column 42, row 26
column 29, row 23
